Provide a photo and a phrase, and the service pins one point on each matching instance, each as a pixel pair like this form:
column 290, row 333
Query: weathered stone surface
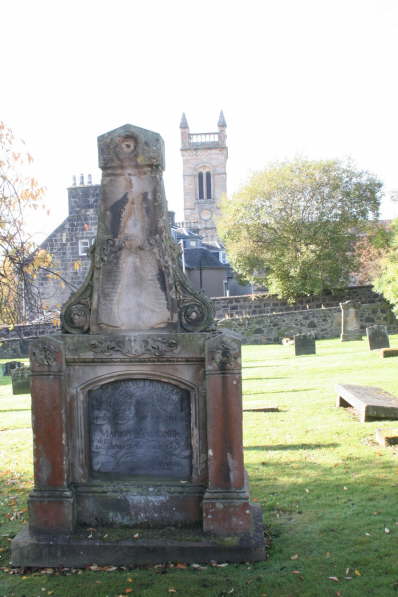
column 370, row 402
column 138, row 426
column 350, row 322
column 152, row 546
column 387, row 437
column 304, row 344
column 377, row 337
column 389, row 352
column 135, row 281
column 20, row 378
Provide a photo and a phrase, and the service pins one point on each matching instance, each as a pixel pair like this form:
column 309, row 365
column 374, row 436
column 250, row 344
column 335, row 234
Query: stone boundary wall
column 257, row 304
column 270, row 328
column 14, row 341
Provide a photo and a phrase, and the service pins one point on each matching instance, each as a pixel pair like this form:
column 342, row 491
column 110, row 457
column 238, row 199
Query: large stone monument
column 137, row 407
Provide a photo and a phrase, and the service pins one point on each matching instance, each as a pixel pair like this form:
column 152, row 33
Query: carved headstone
column 137, row 406
column 377, row 337
column 304, row 344
column 350, row 324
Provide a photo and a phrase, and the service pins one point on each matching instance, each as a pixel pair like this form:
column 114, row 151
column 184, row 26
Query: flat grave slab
column 385, row 353
column 370, row 402
column 387, row 437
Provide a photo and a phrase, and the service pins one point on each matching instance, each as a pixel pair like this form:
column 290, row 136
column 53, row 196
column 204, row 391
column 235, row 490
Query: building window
column 222, row 257
column 204, row 185
column 84, row 246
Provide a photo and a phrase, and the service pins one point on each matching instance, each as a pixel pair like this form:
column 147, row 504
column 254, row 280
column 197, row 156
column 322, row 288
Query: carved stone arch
column 81, row 456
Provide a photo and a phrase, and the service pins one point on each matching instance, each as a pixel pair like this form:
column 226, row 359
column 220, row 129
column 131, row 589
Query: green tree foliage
column 386, row 282
column 20, row 261
column 292, row 227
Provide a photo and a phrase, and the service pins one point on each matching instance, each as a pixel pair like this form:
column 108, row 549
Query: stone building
column 69, row 244
column 204, row 157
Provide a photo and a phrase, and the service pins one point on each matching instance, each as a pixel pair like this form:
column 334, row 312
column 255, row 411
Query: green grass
column 327, row 491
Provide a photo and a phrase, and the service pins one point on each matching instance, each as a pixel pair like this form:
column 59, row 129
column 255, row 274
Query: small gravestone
column 10, row 366
column 20, row 378
column 304, row 344
column 387, row 437
column 377, row 337
column 350, row 325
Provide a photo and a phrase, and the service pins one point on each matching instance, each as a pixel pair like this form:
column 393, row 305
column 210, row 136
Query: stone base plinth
column 149, row 547
column 351, row 336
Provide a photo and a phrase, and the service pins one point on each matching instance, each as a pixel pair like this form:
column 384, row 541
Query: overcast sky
column 316, row 78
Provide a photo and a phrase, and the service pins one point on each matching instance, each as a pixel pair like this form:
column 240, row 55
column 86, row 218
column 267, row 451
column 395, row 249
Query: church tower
column 204, row 157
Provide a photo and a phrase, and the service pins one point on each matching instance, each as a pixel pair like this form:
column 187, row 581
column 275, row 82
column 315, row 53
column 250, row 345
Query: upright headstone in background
column 20, row 378
column 304, row 344
column 377, row 337
column 350, row 325
column 137, row 406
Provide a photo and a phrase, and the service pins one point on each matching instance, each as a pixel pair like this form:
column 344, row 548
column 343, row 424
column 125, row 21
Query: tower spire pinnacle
column 221, row 120
column 184, row 122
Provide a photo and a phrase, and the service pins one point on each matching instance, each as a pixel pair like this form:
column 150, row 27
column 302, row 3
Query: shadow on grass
column 15, row 410
column 261, row 378
column 280, row 391
column 292, row 447
column 262, row 366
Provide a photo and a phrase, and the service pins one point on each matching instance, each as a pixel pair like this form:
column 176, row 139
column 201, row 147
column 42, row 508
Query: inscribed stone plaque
column 377, row 337
column 140, row 427
column 304, row 344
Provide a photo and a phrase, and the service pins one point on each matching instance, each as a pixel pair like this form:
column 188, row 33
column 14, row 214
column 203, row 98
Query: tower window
column 200, row 184
column 204, row 185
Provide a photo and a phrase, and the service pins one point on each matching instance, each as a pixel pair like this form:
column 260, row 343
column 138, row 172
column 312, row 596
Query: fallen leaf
column 295, row 557
column 333, row 578
column 128, row 590
column 296, row 571
column 338, row 594
column 357, row 573
column 130, row 579
column 307, row 490
column 172, row 590
column 368, row 534
column 345, row 488
column 327, row 555
column 386, row 530
column 181, row 565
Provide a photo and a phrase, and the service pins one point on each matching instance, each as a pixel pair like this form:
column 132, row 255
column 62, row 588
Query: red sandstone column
column 226, row 508
column 51, row 502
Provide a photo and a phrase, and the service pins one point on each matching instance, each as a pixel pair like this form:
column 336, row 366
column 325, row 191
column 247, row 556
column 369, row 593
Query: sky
column 310, row 78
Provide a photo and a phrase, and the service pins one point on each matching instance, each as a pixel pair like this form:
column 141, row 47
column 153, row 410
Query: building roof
column 201, row 258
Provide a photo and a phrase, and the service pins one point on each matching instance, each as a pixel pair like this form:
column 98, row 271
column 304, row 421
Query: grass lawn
column 329, row 494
